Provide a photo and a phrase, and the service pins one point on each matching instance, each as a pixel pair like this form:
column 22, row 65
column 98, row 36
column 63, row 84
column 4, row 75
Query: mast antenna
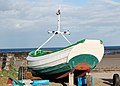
column 57, row 32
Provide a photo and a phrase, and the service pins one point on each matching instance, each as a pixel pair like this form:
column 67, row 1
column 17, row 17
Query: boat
column 77, row 58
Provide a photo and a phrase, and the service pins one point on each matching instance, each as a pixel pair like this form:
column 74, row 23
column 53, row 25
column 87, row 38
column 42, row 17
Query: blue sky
column 76, row 2
column 24, row 23
column 116, row 0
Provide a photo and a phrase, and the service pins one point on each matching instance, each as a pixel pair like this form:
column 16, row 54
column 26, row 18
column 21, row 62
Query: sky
column 24, row 23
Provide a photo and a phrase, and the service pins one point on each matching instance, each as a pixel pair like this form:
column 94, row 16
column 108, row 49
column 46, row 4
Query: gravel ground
column 104, row 78
column 103, row 72
column 100, row 79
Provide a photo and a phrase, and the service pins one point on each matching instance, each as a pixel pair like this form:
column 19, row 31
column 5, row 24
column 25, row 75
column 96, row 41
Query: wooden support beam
column 88, row 79
column 71, row 79
column 29, row 75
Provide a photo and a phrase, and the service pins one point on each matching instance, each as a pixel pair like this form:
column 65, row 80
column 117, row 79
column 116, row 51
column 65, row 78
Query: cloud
column 36, row 17
column 5, row 5
column 113, row 2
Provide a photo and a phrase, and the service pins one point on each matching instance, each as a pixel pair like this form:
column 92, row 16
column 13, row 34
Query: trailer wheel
column 21, row 73
column 116, row 80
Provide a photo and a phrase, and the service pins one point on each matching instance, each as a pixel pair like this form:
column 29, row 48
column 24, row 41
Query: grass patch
column 5, row 74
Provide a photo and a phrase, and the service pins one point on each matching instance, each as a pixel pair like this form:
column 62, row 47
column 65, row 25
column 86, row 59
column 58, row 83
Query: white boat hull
column 93, row 47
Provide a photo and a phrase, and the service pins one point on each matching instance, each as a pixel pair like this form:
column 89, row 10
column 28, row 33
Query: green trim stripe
column 52, row 70
column 87, row 58
column 83, row 58
column 41, row 52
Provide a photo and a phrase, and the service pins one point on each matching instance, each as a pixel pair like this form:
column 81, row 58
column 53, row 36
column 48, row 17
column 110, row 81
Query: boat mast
column 58, row 14
column 56, row 32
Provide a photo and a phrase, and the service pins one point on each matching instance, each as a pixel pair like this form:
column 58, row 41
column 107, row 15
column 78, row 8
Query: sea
column 108, row 49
